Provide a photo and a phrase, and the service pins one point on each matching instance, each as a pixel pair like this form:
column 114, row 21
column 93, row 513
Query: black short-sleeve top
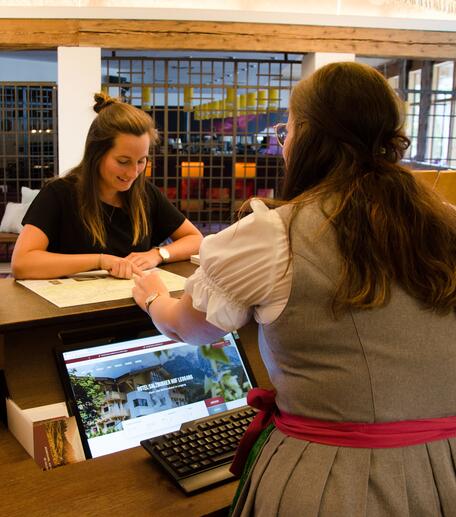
column 55, row 212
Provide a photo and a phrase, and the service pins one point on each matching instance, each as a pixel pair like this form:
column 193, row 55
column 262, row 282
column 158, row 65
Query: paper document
column 93, row 287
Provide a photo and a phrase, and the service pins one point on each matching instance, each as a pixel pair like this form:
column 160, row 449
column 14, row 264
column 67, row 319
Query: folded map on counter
column 93, row 287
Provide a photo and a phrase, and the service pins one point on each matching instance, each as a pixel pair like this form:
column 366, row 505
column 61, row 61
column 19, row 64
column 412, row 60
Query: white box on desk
column 47, row 433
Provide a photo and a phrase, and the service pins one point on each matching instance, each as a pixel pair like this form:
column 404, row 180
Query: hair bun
column 102, row 100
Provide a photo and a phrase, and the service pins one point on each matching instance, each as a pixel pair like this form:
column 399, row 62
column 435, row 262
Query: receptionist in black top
column 104, row 214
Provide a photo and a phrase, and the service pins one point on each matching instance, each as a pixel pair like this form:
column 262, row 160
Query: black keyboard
column 199, row 455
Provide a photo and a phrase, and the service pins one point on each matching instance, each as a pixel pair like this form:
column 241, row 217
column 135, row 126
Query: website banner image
column 134, row 390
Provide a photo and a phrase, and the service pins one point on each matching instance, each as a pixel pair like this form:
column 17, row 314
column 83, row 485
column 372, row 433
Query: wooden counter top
column 21, row 308
column 123, row 484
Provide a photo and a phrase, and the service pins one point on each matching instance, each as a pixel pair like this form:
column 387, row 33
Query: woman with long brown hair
column 104, row 214
column 352, row 279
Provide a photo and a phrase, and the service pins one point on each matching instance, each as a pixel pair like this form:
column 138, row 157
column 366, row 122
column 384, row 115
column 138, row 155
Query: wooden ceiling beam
column 21, row 34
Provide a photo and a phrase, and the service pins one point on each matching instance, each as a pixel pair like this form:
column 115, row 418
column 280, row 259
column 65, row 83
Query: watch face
column 164, row 253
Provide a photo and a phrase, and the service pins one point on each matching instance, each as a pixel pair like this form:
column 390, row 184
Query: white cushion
column 11, row 220
column 28, row 194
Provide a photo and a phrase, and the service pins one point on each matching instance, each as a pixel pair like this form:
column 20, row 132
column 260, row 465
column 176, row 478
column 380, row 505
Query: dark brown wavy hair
column 346, row 146
column 114, row 118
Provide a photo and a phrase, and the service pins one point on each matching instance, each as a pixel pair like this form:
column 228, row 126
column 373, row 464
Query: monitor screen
column 129, row 390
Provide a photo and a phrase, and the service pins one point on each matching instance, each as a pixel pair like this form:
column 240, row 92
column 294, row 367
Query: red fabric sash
column 343, row 434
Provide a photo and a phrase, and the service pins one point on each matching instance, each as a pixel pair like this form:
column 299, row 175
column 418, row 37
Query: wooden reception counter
column 124, row 483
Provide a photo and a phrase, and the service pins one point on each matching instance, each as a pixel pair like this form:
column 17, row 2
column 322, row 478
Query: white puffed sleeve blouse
column 243, row 271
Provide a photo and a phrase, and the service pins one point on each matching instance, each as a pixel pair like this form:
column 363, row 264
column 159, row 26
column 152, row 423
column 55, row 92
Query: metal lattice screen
column 28, row 137
column 215, row 116
column 216, row 119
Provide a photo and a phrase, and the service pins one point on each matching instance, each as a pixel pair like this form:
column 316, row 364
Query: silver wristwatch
column 164, row 254
column 148, row 301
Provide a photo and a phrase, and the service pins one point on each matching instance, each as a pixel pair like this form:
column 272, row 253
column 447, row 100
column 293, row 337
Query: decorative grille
column 216, row 118
column 28, row 137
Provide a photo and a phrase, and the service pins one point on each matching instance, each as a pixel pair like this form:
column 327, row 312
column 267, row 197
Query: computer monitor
column 127, row 388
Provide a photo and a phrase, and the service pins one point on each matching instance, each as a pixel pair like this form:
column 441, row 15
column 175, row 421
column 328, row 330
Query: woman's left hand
column 147, row 285
column 145, row 259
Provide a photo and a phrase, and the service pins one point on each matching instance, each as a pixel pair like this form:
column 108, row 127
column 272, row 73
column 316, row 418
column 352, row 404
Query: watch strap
column 150, row 299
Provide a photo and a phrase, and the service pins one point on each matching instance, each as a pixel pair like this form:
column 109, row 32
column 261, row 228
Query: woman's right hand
column 118, row 266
